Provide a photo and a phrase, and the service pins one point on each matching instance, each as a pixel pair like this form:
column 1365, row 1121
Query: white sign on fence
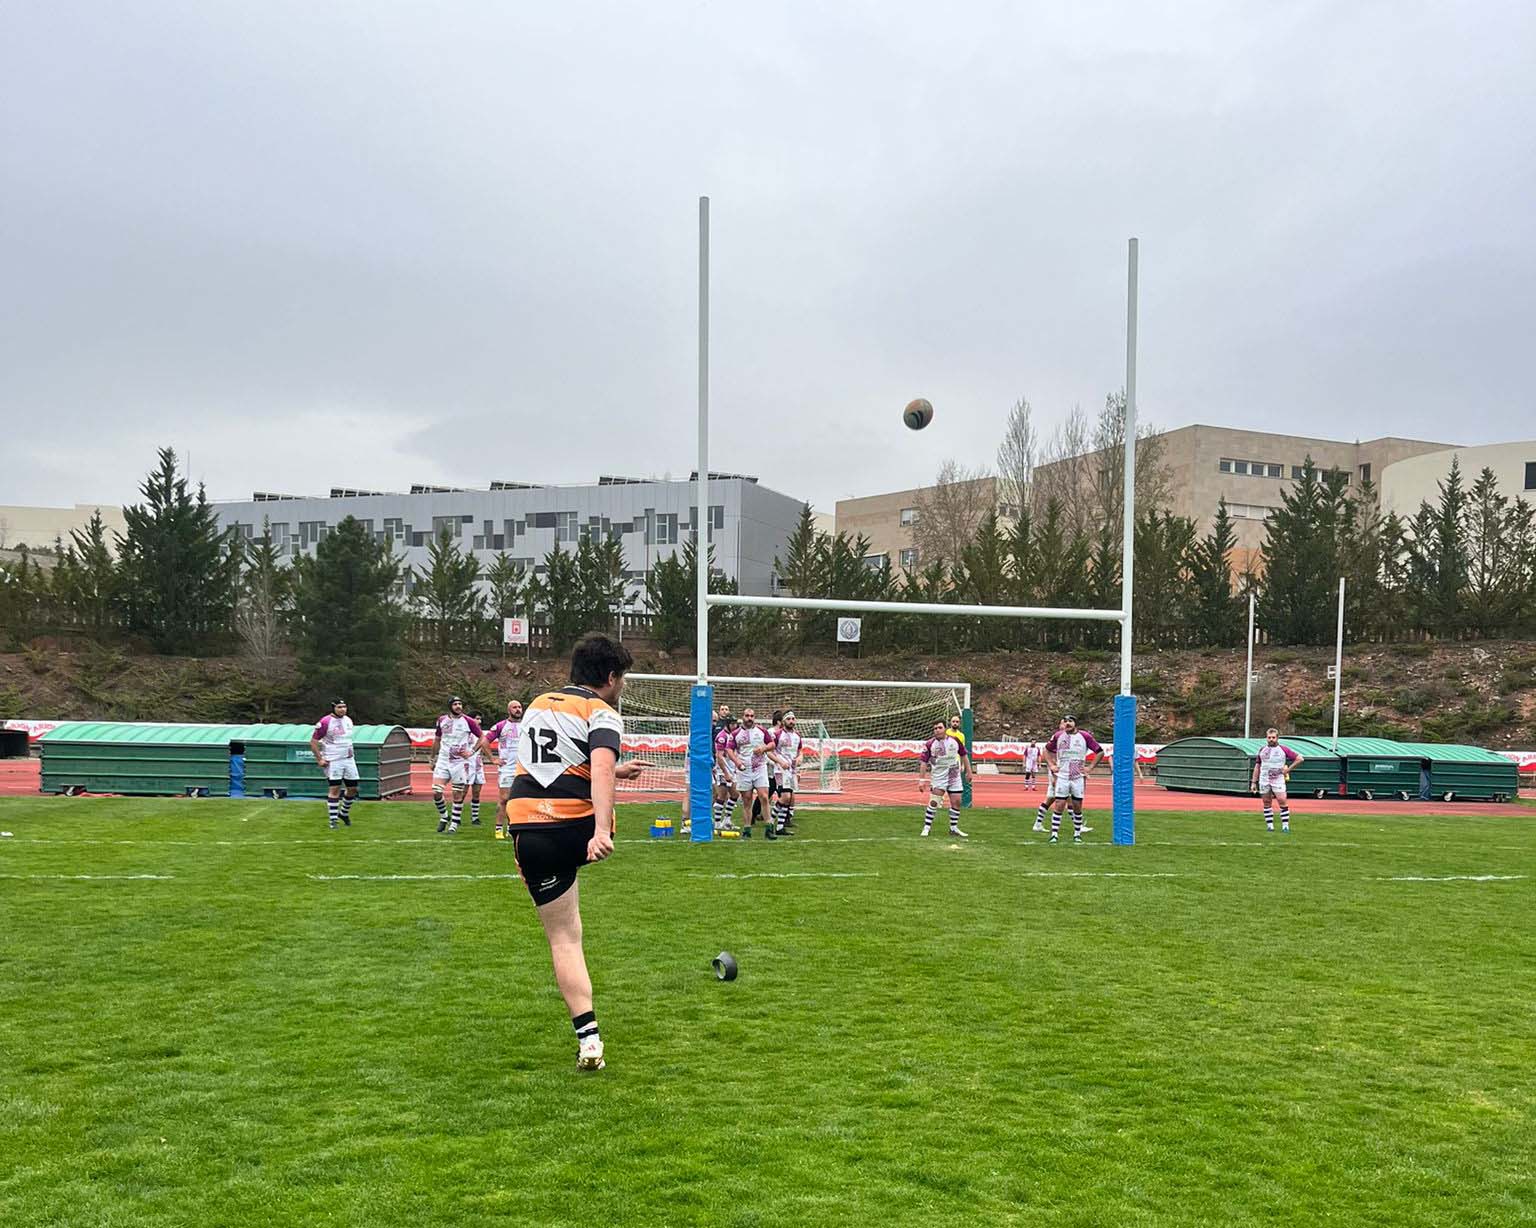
column 514, row 630
column 849, row 629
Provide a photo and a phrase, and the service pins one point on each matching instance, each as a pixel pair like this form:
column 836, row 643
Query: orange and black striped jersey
column 553, row 779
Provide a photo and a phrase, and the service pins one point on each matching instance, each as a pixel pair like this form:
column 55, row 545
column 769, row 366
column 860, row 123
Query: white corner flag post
column 1338, row 666
column 701, row 708
column 1248, row 690
column 1124, row 804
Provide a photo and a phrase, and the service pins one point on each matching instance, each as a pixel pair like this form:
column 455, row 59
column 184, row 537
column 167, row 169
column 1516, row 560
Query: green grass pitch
column 286, row 1025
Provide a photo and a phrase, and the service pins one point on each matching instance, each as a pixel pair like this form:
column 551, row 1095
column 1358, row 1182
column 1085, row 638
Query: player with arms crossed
column 944, row 764
column 1071, row 753
column 560, row 813
column 753, row 750
column 505, row 734
column 457, row 737
column 727, row 769
column 1273, row 766
column 331, row 745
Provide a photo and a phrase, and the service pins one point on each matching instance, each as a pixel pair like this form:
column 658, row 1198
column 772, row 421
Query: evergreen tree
column 670, row 598
column 1438, row 559
column 1165, row 554
column 1297, row 602
column 349, row 624
column 981, row 578
column 799, row 570
column 1495, row 586
column 557, row 597
column 179, row 569
column 91, row 575
column 1218, row 614
column 507, row 583
column 600, row 578
column 448, row 592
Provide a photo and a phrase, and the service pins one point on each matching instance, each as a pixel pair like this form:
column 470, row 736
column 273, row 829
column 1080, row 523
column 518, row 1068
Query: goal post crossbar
column 866, row 683
column 916, row 607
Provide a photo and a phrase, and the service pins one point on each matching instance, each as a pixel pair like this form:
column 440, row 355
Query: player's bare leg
column 561, row 919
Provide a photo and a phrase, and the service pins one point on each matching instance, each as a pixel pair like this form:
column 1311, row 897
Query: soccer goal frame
column 701, row 715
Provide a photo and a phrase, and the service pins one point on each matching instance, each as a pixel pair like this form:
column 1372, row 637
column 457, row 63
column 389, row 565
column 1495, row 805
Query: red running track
column 20, row 778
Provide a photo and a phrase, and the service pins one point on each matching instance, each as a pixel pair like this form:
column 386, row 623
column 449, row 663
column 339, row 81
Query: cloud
column 347, row 245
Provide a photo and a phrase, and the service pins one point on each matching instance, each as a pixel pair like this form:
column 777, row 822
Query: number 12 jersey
column 553, row 778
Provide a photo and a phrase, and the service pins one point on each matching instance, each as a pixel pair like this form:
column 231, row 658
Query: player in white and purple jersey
column 1272, row 768
column 1071, row 752
column 727, row 767
column 788, row 746
column 456, row 738
column 505, row 733
column 1050, row 784
column 331, row 744
column 1031, row 764
column 753, row 750
column 944, row 770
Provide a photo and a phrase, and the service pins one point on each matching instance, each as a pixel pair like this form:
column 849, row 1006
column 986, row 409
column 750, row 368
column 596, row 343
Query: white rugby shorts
column 341, row 769
column 454, row 771
column 752, row 778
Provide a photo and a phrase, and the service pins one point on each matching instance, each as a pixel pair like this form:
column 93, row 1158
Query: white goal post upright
column 701, row 709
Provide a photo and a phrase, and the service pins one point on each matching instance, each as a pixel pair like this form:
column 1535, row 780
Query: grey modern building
column 749, row 524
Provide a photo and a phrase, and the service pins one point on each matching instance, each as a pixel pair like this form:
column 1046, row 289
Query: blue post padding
column 1125, row 769
column 701, row 763
column 237, row 776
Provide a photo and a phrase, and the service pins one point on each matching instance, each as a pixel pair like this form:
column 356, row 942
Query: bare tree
column 1153, row 481
column 949, row 511
column 5, row 533
column 1016, row 457
column 262, row 602
column 1063, row 472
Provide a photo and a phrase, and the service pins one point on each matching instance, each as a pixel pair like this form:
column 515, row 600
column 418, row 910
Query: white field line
column 91, row 877
column 805, row 874
column 397, row 878
column 1450, row 878
column 1100, row 874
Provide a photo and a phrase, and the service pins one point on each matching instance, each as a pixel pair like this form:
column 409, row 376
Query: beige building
column 43, row 526
column 1250, row 469
column 1407, row 483
column 888, row 521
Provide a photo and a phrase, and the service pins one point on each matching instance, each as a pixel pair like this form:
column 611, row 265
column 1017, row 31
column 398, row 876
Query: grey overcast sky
column 370, row 243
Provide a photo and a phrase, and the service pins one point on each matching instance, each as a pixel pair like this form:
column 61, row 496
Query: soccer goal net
column 862, row 739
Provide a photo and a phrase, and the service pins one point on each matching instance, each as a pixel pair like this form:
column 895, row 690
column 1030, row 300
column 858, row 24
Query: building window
column 1240, row 467
column 477, row 542
column 1224, row 465
column 908, row 516
column 394, row 528
column 565, row 526
column 310, row 532
column 876, row 562
column 453, row 524
column 663, row 529
column 1276, row 471
column 279, row 534
column 1295, row 473
column 1530, row 475
column 909, row 559
column 1365, row 473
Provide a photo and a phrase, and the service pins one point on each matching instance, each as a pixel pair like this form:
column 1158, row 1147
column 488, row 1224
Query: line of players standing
column 757, row 769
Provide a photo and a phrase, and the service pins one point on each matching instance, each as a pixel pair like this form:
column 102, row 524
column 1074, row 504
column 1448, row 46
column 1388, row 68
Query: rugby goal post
column 701, row 714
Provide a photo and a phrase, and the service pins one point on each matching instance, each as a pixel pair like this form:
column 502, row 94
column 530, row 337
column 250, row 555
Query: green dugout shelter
column 1367, row 768
column 137, row 759
column 278, row 757
column 1225, row 765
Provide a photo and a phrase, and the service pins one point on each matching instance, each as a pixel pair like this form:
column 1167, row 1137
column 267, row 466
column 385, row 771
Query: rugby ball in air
column 918, row 414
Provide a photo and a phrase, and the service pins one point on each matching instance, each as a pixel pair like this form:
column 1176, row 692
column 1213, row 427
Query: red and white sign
column 514, row 630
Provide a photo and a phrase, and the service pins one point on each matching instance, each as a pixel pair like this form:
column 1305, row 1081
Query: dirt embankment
column 1482, row 693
